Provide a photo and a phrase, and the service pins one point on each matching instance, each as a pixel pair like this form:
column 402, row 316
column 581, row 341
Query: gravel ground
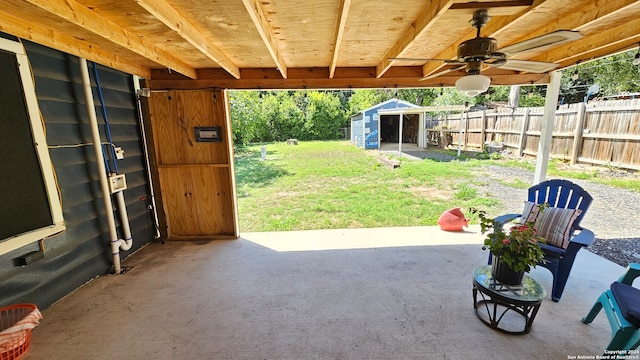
column 613, row 215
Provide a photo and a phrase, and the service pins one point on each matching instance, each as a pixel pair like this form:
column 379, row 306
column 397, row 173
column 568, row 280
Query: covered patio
column 167, row 67
column 385, row 293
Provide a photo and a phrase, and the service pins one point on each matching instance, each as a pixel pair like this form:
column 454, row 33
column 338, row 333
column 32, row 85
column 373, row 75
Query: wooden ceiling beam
column 316, row 78
column 79, row 15
column 46, row 36
column 193, row 34
column 499, row 8
column 342, row 21
column 425, row 20
column 256, row 12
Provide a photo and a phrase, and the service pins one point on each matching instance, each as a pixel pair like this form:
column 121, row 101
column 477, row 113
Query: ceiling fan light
column 472, row 85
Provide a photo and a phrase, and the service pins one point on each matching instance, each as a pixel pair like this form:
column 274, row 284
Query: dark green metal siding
column 82, row 251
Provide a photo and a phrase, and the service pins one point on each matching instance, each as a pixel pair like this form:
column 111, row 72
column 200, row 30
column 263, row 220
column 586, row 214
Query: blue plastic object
column 567, row 195
column 624, row 335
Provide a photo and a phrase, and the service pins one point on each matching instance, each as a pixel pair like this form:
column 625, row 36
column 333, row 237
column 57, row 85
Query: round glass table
column 507, row 308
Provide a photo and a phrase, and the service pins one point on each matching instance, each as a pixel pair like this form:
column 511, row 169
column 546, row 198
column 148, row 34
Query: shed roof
column 400, row 104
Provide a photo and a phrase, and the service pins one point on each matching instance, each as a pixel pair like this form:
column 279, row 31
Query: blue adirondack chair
column 621, row 304
column 567, row 195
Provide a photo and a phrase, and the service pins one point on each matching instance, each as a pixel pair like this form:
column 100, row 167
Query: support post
column 546, row 132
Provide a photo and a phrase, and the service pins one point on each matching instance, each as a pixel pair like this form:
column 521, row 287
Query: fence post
column 577, row 137
column 483, row 130
column 523, row 132
column 466, row 129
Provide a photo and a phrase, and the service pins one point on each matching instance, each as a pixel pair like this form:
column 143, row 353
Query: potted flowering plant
column 519, row 249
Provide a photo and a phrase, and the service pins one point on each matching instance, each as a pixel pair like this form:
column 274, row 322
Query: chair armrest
column 585, row 237
column 632, row 272
column 503, row 219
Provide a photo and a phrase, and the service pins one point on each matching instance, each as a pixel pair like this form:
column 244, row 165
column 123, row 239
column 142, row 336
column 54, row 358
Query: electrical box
column 117, row 183
column 208, row 133
column 119, row 153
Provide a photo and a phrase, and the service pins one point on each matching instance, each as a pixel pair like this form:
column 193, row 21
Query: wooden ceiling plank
column 193, row 34
column 591, row 46
column 586, row 15
column 43, row 35
column 425, row 20
column 342, row 21
column 78, row 14
column 256, row 12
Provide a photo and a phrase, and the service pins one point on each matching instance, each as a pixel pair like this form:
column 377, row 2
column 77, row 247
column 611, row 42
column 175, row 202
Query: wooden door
column 196, row 177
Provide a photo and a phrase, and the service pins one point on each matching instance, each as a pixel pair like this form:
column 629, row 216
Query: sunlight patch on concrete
column 342, row 239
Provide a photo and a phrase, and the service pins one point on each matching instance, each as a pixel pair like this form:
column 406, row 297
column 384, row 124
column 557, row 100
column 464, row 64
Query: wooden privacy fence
column 603, row 133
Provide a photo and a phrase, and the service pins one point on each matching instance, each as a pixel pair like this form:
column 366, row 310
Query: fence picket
column 606, row 132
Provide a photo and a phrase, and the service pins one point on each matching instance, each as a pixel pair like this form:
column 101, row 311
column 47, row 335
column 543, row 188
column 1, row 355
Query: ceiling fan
column 473, row 53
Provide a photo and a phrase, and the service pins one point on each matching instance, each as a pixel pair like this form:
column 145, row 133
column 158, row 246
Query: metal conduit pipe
column 116, row 243
column 145, row 148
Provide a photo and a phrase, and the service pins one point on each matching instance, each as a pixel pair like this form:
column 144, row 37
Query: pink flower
column 505, row 241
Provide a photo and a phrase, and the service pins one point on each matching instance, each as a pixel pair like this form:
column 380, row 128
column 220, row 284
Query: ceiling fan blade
column 537, row 67
column 542, row 42
column 457, row 68
column 448, row 61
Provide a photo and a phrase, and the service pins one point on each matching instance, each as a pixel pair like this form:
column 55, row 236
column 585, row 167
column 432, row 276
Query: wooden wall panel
column 196, row 178
column 201, row 201
column 177, row 114
column 162, row 119
column 211, row 188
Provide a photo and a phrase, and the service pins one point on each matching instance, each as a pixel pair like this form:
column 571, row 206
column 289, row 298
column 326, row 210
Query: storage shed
column 373, row 126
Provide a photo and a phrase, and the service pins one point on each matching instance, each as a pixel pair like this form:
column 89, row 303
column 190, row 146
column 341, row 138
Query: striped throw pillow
column 554, row 225
column 530, row 212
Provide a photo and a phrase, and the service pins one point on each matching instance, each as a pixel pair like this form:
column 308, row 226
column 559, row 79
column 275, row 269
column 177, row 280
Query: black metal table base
column 497, row 307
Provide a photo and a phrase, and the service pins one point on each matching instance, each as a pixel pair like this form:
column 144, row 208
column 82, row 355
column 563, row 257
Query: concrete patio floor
column 385, row 293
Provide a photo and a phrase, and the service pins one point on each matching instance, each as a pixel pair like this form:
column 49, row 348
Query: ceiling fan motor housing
column 478, row 48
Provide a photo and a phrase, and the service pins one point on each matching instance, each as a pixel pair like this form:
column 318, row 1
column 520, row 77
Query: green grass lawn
column 332, row 184
column 324, row 185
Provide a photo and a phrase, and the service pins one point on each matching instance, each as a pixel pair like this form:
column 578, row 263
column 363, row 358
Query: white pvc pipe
column 102, row 171
column 124, row 222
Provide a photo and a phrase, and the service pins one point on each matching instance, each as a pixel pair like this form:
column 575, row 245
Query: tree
column 325, row 118
column 451, row 96
column 245, row 115
column 614, row 75
column 420, row 97
column 283, row 118
column 365, row 98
